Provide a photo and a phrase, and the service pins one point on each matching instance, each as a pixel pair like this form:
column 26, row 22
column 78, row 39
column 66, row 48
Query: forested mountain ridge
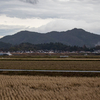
column 78, row 37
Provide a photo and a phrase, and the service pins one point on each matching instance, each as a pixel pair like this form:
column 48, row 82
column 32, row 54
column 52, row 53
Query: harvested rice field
column 49, row 88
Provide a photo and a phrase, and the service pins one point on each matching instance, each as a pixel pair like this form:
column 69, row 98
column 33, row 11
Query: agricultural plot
column 49, row 88
column 52, row 65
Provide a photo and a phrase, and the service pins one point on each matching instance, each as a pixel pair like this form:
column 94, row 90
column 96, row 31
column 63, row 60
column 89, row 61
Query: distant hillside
column 4, row 45
column 75, row 36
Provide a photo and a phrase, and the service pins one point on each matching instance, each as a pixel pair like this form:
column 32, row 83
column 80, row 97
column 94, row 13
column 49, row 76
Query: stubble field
column 49, row 88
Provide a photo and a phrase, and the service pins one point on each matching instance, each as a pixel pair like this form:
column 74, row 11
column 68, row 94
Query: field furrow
column 49, row 88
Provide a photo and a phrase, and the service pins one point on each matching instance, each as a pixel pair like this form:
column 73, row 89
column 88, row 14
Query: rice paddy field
column 52, row 65
column 81, row 64
column 49, row 88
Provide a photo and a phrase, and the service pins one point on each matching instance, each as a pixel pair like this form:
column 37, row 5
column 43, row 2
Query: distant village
column 49, row 52
column 48, row 49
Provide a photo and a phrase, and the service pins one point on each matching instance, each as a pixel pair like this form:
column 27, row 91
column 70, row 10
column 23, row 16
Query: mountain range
column 78, row 37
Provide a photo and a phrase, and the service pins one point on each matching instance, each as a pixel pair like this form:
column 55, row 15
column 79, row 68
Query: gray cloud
column 30, row 1
column 66, row 14
column 9, row 30
column 65, row 24
column 67, row 9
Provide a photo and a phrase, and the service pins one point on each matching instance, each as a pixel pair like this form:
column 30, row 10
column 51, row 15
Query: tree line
column 45, row 46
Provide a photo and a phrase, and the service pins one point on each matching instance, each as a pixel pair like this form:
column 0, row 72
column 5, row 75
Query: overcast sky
column 49, row 15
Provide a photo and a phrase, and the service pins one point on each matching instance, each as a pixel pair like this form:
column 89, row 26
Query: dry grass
column 49, row 88
column 51, row 65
